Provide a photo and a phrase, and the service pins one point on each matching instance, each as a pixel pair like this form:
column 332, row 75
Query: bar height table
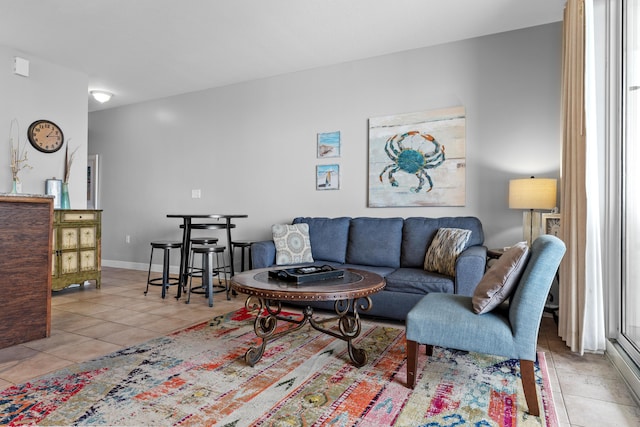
column 187, row 226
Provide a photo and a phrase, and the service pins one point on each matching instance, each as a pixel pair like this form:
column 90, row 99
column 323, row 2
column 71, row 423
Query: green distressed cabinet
column 76, row 247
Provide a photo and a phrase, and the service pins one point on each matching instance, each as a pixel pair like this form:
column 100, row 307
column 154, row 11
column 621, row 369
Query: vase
column 64, row 199
column 16, row 187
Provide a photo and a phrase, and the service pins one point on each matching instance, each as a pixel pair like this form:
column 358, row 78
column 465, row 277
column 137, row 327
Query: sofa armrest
column 263, row 254
column 470, row 267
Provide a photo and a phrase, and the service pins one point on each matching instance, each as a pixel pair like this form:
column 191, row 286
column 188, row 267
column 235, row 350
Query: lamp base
column 531, row 223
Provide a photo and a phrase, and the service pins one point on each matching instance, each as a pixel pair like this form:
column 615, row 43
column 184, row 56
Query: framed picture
column 92, row 182
column 327, row 177
column 329, row 144
column 418, row 159
column 550, row 224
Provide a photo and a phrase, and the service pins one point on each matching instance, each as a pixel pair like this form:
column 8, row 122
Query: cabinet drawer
column 77, row 216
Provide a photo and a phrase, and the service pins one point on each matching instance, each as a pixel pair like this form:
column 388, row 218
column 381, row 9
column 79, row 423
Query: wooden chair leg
column 412, row 363
column 529, row 386
column 429, row 351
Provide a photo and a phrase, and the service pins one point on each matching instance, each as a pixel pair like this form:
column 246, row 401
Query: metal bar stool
column 204, row 240
column 165, row 281
column 208, row 271
column 195, row 271
column 207, row 226
column 244, row 246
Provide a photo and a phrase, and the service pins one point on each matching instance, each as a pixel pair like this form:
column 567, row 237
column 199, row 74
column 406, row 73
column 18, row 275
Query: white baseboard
column 173, row 269
column 629, row 371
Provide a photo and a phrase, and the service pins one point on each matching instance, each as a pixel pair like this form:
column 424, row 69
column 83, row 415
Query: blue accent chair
column 448, row 320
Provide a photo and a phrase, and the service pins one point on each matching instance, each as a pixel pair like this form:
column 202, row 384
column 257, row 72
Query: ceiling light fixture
column 101, row 96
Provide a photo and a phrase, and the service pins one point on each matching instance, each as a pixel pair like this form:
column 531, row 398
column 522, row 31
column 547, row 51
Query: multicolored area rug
column 199, row 377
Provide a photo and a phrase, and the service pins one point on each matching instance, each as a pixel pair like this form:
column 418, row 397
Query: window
column 630, row 292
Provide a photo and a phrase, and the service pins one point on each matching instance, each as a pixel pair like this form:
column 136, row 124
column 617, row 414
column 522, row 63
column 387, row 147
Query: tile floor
column 89, row 322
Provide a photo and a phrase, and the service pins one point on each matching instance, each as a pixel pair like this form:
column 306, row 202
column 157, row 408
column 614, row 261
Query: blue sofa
column 395, row 248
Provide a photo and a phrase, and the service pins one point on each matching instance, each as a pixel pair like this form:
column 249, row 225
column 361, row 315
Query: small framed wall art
column 327, row 177
column 551, row 224
column 329, row 144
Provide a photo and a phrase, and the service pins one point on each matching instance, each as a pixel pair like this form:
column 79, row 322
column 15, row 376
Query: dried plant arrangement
column 18, row 154
column 68, row 161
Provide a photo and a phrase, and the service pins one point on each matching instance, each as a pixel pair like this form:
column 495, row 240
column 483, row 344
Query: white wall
column 251, row 147
column 50, row 92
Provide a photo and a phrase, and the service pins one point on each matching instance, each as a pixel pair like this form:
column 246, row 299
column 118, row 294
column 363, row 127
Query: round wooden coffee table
column 266, row 295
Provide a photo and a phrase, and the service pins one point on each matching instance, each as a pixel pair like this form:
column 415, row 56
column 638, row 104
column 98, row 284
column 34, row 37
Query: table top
column 219, row 216
column 355, row 284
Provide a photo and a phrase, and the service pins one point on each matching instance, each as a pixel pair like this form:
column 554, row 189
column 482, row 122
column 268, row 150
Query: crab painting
column 415, row 161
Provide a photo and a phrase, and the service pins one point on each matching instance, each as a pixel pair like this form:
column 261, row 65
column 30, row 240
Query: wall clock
column 45, row 136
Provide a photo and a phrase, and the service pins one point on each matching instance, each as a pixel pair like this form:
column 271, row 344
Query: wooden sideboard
column 76, row 257
column 25, row 267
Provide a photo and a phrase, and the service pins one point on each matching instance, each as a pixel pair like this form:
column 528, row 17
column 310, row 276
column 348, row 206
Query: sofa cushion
column 382, row 271
column 444, row 250
column 292, row 243
column 375, row 241
column 418, row 281
column 501, row 279
column 328, row 237
column 418, row 232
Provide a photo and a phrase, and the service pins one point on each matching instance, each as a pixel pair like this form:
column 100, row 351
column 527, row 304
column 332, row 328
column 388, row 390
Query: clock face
column 45, row 136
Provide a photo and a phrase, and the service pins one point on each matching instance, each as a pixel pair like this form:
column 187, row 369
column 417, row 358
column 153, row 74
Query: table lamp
column 532, row 194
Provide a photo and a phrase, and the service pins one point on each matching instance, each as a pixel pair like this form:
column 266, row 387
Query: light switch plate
column 21, row 66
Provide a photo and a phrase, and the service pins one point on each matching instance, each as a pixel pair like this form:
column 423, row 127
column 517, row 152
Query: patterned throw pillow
column 499, row 282
column 292, row 243
column 444, row 250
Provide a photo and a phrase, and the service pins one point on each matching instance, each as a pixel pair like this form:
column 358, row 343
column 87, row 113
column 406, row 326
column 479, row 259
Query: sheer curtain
column 581, row 312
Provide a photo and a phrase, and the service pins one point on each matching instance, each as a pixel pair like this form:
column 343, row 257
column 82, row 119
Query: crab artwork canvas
column 418, row 159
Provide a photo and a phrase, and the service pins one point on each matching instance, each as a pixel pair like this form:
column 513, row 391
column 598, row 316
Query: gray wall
column 251, row 147
column 50, row 92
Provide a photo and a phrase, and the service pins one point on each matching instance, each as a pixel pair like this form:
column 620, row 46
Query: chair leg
column 207, row 281
column 529, row 386
column 429, row 351
column 188, row 290
column 412, row 363
column 226, row 280
column 149, row 274
column 165, row 273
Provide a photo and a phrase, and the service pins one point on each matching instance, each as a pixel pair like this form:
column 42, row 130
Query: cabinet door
column 69, row 262
column 88, row 260
column 69, row 238
column 87, row 237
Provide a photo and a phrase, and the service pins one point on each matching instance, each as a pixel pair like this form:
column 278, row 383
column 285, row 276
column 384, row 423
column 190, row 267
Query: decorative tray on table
column 312, row 273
